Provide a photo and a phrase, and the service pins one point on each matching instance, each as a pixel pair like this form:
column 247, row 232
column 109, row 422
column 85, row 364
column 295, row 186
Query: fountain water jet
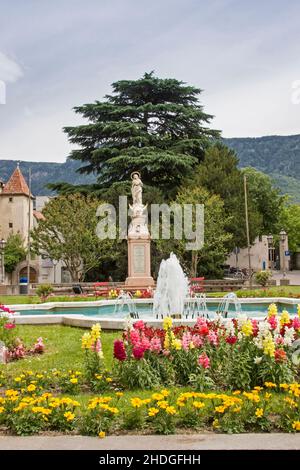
column 171, row 289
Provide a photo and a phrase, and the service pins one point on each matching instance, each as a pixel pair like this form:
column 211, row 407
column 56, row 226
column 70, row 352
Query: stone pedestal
column 139, row 266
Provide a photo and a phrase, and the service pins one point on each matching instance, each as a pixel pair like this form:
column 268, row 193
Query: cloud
column 10, row 71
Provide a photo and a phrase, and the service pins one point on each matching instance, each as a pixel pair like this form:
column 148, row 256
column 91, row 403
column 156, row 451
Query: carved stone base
column 139, row 269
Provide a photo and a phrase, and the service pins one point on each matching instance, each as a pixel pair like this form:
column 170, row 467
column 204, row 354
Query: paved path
column 249, row 441
column 293, row 276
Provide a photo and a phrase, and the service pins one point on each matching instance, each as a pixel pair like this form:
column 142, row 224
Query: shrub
column 44, row 290
column 262, row 277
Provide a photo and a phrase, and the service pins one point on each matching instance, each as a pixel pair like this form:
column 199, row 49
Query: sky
column 57, row 54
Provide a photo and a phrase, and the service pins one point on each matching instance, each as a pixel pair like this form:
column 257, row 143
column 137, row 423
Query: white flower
column 241, row 319
column 289, row 336
column 128, row 323
column 229, row 328
column 257, row 360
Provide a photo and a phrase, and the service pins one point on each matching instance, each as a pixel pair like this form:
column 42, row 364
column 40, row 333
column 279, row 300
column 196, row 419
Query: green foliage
column 290, row 221
column 44, row 290
column 262, row 277
column 68, row 233
column 151, row 124
column 14, row 252
column 134, row 373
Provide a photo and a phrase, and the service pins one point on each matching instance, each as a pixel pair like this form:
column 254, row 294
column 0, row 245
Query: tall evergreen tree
column 151, row 124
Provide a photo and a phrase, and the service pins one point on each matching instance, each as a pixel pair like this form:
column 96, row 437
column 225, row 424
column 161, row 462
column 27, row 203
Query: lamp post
column 2, row 247
column 270, row 240
column 283, row 236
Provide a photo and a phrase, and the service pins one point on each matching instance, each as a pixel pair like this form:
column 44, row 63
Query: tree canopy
column 152, row 124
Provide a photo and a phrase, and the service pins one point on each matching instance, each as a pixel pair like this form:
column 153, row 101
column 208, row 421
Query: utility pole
column 28, row 234
column 247, row 230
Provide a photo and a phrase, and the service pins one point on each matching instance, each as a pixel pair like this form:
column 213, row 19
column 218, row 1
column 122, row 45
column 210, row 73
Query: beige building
column 18, row 215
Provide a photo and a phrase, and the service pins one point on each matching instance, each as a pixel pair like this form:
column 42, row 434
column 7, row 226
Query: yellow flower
column 163, row 404
column 153, row 411
column 101, row 434
column 285, row 317
column 18, row 379
column 268, row 395
column 259, row 412
column 284, row 386
column 73, row 380
column 220, row 409
column 157, row 396
column 86, row 341
column 136, row 402
column 247, row 328
column 171, row 410
column 270, row 385
column 272, row 310
column 167, row 323
column 119, row 394
column 236, row 392
column 108, row 380
column 31, row 388
column 198, row 404
column 237, row 409
column 298, row 309
column 176, row 343
column 69, row 416
column 269, row 346
column 216, row 423
column 1, row 409
column 11, row 393
column 291, row 402
column 296, row 425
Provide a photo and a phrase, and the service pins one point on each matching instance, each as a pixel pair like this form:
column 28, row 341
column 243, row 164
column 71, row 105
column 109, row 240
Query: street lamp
column 283, row 236
column 2, row 247
column 270, row 240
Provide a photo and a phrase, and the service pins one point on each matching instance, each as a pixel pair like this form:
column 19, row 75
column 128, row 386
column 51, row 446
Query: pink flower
column 197, row 341
column 39, row 346
column 186, row 339
column 155, row 345
column 204, row 361
column 139, row 325
column 212, row 337
column 138, row 352
column 272, row 322
column 144, row 342
column 9, row 326
column 296, row 323
column 119, row 350
column 98, row 347
column 279, row 340
column 134, row 337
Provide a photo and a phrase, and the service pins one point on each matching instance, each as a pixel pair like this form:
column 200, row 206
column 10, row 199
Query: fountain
column 125, row 301
column 171, row 289
column 196, row 307
column 224, row 305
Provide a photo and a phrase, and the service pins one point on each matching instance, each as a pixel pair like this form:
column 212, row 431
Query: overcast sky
column 56, row 54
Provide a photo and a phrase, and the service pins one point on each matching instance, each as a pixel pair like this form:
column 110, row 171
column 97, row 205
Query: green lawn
column 63, row 348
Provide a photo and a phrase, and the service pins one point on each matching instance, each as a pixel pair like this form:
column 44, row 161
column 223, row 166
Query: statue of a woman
column 136, row 188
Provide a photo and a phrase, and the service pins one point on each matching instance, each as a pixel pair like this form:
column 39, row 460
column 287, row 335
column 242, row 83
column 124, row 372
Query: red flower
column 119, row 350
column 280, row 355
column 231, row 339
column 9, row 326
column 138, row 352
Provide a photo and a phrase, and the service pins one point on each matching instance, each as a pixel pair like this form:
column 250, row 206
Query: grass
column 63, row 348
column 34, row 299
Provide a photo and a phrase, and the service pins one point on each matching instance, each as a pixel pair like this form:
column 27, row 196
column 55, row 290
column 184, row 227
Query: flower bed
column 34, row 409
column 223, row 353
column 12, row 347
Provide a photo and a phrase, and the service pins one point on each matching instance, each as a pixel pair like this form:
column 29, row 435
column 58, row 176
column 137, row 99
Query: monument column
column 139, row 240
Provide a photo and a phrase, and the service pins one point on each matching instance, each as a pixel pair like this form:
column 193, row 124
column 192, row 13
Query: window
column 11, row 199
column 10, row 225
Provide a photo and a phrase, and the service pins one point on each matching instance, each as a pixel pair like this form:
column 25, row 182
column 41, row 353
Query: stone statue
column 136, row 188
column 138, row 212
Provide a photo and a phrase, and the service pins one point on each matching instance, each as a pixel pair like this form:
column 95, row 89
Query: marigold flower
column 101, row 435
column 171, row 410
column 296, row 425
column 259, row 412
column 153, row 411
column 198, row 404
column 31, row 388
column 73, row 380
column 69, row 416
